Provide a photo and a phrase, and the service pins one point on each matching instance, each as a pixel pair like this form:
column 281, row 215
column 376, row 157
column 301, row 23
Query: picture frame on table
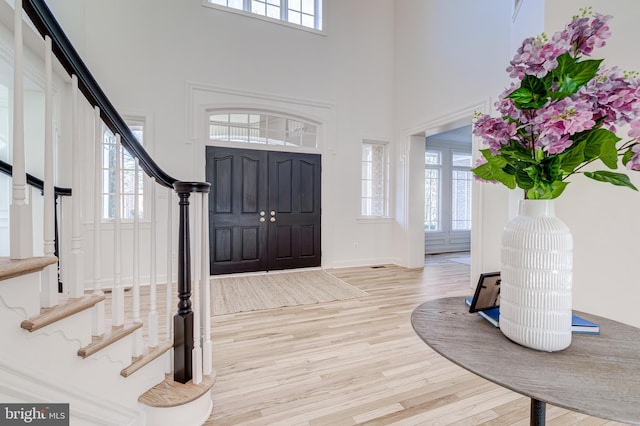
column 487, row 294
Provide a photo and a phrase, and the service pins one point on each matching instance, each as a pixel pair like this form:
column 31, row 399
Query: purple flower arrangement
column 561, row 114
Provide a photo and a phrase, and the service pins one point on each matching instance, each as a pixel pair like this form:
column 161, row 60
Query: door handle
column 273, row 219
column 262, row 219
column 262, row 213
column 273, row 212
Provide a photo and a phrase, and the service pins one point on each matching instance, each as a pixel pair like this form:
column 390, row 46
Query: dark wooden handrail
column 7, row 169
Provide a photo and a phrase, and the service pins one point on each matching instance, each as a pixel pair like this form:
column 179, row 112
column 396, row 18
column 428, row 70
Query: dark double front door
column 264, row 210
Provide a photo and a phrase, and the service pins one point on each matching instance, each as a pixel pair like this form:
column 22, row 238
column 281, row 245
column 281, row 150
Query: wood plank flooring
column 358, row 361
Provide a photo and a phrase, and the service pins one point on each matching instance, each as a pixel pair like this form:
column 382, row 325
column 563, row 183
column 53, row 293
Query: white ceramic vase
column 535, row 291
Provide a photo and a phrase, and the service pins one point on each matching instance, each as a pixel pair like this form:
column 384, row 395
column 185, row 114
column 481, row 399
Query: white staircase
column 42, row 361
column 62, row 347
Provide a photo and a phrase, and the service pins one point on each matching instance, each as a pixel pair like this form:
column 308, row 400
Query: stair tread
column 146, row 358
column 10, row 268
column 50, row 315
column 110, row 336
column 170, row 393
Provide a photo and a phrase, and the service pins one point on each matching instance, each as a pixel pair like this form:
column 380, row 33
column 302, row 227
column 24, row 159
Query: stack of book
column 579, row 325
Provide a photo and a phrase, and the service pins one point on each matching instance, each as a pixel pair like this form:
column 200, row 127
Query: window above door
column 261, row 128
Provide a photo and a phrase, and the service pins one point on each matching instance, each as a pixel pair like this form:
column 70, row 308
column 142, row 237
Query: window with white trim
column 305, row 13
column 433, row 190
column 460, row 191
column 442, row 167
column 262, row 128
column 128, row 171
column 375, row 179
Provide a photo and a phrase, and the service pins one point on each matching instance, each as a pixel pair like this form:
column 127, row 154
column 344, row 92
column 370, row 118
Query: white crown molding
column 258, row 99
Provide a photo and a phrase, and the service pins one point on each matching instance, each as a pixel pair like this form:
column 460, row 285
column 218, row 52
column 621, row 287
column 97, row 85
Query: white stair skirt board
column 43, row 365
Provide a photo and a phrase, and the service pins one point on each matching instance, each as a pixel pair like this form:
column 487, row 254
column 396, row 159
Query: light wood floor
column 357, row 361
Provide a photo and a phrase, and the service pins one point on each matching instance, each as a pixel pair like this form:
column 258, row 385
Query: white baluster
column 170, row 294
column 207, row 356
column 137, row 335
column 49, row 290
column 196, row 353
column 21, row 239
column 153, row 302
column 98, row 320
column 98, row 313
column 118, row 288
column 76, row 281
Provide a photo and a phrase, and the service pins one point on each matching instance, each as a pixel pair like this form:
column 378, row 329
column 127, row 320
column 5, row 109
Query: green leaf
column 521, row 95
column 504, row 178
column 609, row 153
column 547, row 191
column 585, row 71
column 566, row 65
column 483, row 171
column 627, row 156
column 551, row 168
column 619, row 179
column 568, row 86
column 594, row 142
column 489, row 172
column 495, row 160
column 556, row 96
column 532, row 93
column 523, row 179
column 572, row 158
column 517, row 152
column 558, row 188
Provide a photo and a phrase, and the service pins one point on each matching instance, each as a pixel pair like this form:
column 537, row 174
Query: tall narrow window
column 304, row 13
column 129, row 191
column 375, row 179
column 461, row 191
column 432, row 184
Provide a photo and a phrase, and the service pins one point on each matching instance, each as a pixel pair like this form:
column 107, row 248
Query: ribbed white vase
column 535, row 291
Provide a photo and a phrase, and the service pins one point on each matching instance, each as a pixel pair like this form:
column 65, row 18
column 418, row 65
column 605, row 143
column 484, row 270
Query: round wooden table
column 598, row 375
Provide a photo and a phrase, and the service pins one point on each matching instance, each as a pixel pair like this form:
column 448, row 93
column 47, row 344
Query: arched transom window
column 257, row 127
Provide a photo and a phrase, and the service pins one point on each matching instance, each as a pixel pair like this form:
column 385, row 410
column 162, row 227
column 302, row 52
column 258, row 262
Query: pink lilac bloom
column 634, row 163
column 507, row 106
column 495, row 132
column 586, row 33
column 615, row 97
column 537, row 56
column 556, row 122
column 635, row 129
column 634, row 132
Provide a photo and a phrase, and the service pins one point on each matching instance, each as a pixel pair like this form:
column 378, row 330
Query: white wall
column 148, row 55
column 450, row 61
column 603, row 218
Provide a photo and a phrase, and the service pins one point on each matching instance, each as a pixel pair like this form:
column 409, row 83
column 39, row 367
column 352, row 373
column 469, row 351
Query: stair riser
column 21, row 294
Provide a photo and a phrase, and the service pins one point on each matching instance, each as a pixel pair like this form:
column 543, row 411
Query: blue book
column 579, row 325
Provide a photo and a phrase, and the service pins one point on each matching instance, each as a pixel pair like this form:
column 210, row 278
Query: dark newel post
column 183, row 319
